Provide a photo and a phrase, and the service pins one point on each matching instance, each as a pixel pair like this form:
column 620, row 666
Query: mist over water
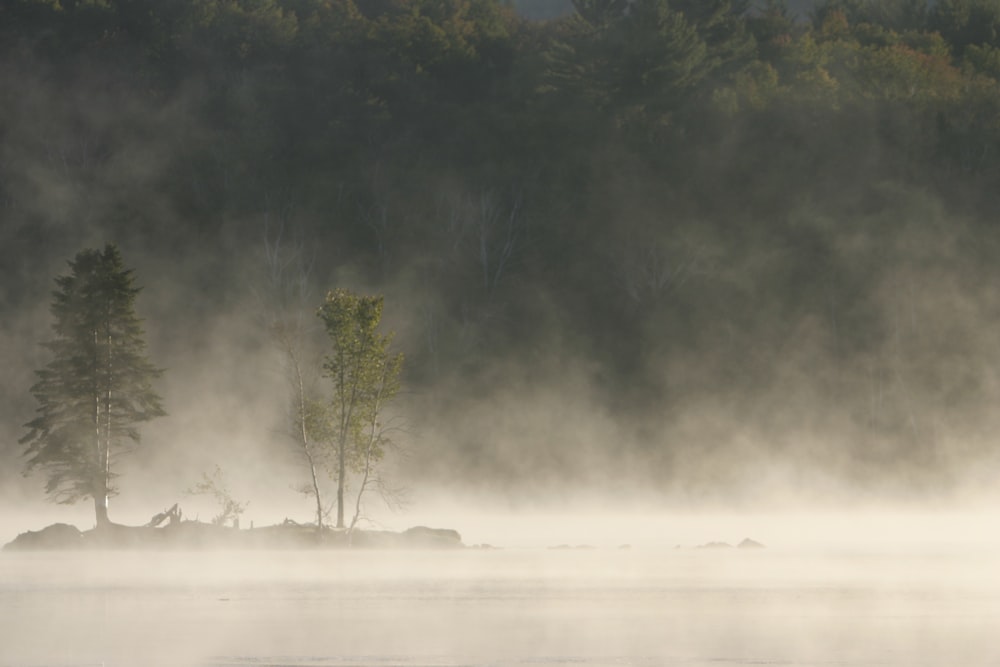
column 753, row 301
column 508, row 607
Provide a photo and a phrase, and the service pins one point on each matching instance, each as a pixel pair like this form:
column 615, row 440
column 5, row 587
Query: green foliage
column 98, row 386
column 364, row 376
column 542, row 9
column 899, row 72
column 984, row 59
column 647, row 57
column 772, row 28
column 964, row 23
column 396, row 133
column 889, row 15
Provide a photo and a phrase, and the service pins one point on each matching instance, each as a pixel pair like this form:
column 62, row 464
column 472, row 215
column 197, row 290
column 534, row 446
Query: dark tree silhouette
column 97, row 387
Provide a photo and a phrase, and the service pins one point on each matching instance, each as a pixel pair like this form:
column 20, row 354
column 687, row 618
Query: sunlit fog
column 487, row 332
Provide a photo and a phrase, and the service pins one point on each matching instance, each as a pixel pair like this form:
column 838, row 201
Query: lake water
column 502, row 607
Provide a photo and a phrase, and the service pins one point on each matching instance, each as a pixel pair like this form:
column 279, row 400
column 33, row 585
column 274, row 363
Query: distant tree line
column 703, row 199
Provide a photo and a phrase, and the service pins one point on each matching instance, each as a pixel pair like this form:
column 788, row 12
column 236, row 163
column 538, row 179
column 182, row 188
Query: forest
column 721, row 230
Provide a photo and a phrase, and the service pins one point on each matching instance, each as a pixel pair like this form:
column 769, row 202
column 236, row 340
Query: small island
column 194, row 535
column 98, row 388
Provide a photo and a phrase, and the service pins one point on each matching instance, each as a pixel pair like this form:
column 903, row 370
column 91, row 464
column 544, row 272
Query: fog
column 846, row 359
column 641, row 312
column 538, row 436
column 508, row 607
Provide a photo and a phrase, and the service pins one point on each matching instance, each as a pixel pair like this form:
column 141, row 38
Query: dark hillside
column 723, row 236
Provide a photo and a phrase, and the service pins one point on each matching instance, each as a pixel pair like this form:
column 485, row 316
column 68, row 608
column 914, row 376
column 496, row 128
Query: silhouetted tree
column 97, row 387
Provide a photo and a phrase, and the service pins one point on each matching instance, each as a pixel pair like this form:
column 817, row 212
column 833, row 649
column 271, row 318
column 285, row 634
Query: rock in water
column 749, row 544
column 56, row 536
column 422, row 536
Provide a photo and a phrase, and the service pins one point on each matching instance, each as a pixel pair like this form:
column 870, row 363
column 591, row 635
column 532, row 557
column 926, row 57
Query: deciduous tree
column 287, row 290
column 365, row 377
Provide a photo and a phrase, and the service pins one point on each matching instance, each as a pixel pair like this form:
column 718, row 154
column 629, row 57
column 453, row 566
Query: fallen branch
column 174, row 514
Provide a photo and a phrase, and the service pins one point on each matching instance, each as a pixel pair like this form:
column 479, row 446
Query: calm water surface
column 504, row 607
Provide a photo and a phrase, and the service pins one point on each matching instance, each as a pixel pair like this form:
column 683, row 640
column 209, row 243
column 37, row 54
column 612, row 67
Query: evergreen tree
column 97, row 387
column 627, row 56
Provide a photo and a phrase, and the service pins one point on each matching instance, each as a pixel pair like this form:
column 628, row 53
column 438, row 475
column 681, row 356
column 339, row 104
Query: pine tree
column 97, row 387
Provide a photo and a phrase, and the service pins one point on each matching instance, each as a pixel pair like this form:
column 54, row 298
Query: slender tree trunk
column 101, row 509
column 104, row 427
column 106, row 471
column 374, row 436
column 304, row 434
column 101, row 455
column 347, row 416
column 100, row 495
column 345, row 419
column 341, row 475
column 366, row 477
column 315, row 483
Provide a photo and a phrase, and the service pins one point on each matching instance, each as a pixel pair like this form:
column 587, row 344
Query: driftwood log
column 174, row 514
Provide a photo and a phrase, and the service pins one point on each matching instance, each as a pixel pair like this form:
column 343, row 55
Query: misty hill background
column 690, row 247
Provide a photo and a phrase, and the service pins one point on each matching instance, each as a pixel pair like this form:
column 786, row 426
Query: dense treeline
column 708, row 205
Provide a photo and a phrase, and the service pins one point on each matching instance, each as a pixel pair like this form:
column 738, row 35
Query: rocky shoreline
column 183, row 535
